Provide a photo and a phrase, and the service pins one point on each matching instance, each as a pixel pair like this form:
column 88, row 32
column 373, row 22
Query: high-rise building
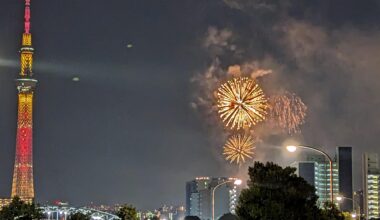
column 171, row 212
column 199, row 197
column 197, row 191
column 371, row 182
column 343, row 158
column 306, row 169
column 359, row 202
column 179, row 213
column 163, row 213
column 316, row 171
column 22, row 185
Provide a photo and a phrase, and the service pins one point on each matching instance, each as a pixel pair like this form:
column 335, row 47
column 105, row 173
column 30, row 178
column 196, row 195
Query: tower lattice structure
column 22, row 185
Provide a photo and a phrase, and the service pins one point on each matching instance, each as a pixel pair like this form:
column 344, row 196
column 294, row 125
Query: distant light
column 339, row 198
column 353, row 215
column 129, row 45
column 238, row 182
column 291, row 149
column 76, row 79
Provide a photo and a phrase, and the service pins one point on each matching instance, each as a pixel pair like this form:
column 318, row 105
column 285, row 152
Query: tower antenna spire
column 27, row 17
column 27, row 49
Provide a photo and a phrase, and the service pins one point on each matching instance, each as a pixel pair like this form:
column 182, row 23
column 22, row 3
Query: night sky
column 127, row 131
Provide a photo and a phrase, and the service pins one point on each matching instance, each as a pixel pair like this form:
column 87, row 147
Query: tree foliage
column 21, row 210
column 228, row 216
column 330, row 211
column 127, row 212
column 190, row 217
column 278, row 193
column 79, row 216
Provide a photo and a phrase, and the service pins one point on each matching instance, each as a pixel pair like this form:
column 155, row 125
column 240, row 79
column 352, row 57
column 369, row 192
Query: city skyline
column 114, row 108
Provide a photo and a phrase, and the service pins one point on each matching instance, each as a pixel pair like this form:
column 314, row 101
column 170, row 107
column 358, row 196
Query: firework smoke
column 234, row 70
column 204, row 100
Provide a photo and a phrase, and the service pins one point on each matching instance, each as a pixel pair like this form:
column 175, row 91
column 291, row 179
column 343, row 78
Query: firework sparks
column 288, row 112
column 238, row 148
column 241, row 103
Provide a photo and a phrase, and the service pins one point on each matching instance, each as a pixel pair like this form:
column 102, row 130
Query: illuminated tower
column 22, row 185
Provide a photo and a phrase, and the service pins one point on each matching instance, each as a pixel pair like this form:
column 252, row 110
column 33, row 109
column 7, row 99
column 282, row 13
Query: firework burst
column 241, row 103
column 238, row 148
column 288, row 112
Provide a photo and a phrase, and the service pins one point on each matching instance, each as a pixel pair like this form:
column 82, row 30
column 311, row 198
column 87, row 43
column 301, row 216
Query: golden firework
column 238, row 148
column 241, row 103
column 288, row 112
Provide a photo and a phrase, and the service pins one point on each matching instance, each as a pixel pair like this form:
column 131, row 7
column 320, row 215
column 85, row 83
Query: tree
column 331, row 212
column 127, row 212
column 348, row 216
column 190, row 217
column 21, row 210
column 277, row 193
column 79, row 216
column 229, row 216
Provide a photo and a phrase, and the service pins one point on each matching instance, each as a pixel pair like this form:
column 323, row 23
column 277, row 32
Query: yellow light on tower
column 27, row 39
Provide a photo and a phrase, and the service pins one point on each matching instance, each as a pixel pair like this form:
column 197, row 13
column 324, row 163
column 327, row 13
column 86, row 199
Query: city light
column 291, row 149
column 238, row 182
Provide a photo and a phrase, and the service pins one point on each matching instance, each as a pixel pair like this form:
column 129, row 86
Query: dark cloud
column 265, row 5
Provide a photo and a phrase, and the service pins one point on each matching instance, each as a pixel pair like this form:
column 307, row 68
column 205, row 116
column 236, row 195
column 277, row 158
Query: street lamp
column 236, row 182
column 340, row 198
column 292, row 149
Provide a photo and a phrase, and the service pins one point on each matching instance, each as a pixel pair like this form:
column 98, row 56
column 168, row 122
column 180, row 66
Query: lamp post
column 339, row 198
column 294, row 148
column 236, row 182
